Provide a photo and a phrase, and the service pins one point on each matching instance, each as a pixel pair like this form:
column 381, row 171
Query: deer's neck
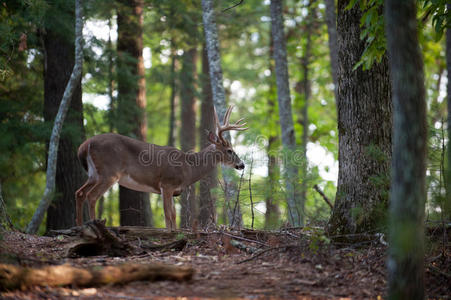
column 202, row 162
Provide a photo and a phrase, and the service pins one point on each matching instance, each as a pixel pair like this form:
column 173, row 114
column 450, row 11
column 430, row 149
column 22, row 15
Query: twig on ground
column 244, row 239
column 316, row 187
column 289, row 233
column 437, row 270
column 264, row 251
column 243, row 246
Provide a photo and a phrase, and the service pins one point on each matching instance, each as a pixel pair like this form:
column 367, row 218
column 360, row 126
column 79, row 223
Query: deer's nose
column 240, row 166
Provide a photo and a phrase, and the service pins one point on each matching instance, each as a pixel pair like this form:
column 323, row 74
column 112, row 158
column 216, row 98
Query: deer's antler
column 238, row 126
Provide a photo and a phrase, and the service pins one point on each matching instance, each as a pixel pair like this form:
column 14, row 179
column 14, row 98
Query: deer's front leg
column 169, row 209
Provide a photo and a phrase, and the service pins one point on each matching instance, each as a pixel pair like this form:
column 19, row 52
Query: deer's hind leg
column 169, row 209
column 80, row 198
column 102, row 185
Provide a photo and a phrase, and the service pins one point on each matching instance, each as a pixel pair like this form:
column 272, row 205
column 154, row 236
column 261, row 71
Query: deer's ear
column 213, row 138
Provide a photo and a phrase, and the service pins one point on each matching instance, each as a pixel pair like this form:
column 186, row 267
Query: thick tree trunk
column 188, row 129
column 447, row 206
column 134, row 206
column 408, row 187
column 331, row 21
column 303, row 88
column 217, row 87
column 295, row 207
column 207, row 208
column 364, row 127
column 59, row 62
column 52, row 159
column 171, row 134
column 272, row 214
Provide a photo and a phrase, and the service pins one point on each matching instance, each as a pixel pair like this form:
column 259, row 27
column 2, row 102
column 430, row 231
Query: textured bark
column 59, row 62
column 331, row 21
column 207, row 209
column 112, row 105
column 171, row 135
column 303, row 87
column 408, row 187
column 217, row 87
column 134, row 206
column 364, row 126
column 272, row 214
column 447, row 211
column 52, row 159
column 295, row 215
column 188, row 129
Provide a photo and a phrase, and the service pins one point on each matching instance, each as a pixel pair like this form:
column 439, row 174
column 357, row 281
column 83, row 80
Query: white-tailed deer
column 110, row 158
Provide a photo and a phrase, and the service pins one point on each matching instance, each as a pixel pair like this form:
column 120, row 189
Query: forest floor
column 284, row 264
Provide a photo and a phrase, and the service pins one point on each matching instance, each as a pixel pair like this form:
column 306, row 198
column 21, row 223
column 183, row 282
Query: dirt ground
column 285, row 264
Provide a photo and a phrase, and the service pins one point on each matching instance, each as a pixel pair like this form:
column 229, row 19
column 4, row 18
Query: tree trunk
column 134, row 206
column 303, row 88
column 59, row 62
column 272, row 214
column 408, row 187
column 217, row 87
column 447, row 206
column 52, row 159
column 364, row 133
column 295, row 207
column 171, row 135
column 207, row 208
column 188, row 129
column 331, row 21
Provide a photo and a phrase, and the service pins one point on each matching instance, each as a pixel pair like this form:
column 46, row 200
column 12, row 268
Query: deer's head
column 223, row 146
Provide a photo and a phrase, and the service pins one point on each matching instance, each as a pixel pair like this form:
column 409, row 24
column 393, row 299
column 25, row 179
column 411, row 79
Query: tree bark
column 364, row 133
column 408, row 187
column 303, row 87
column 52, row 159
column 331, row 21
column 171, row 135
column 59, row 62
column 207, row 208
column 272, row 214
column 295, row 207
column 447, row 206
column 188, row 129
column 217, row 87
column 134, row 206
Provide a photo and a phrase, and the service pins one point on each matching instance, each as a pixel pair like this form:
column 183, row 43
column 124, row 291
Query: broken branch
column 316, row 187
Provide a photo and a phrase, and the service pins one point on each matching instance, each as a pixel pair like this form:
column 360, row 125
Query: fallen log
column 96, row 239
column 15, row 277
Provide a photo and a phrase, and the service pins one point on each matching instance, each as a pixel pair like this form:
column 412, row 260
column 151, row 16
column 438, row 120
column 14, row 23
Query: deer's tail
column 83, row 155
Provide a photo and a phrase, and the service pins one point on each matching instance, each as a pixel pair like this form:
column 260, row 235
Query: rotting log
column 96, row 239
column 15, row 277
